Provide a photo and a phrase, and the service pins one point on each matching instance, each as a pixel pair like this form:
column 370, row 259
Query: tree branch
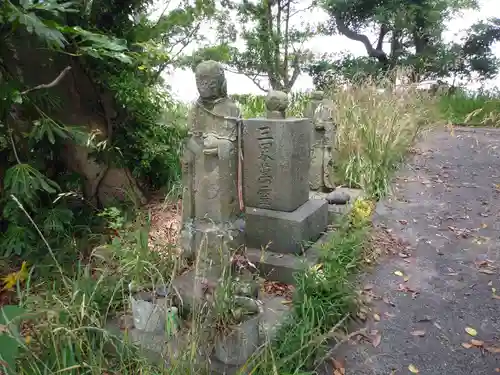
column 344, row 30
column 384, row 29
column 296, row 71
column 51, row 84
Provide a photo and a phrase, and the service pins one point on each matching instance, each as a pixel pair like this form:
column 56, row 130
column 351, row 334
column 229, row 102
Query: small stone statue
column 211, row 170
column 320, row 111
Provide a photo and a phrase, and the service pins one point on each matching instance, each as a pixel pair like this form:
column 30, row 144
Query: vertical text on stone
column 265, row 178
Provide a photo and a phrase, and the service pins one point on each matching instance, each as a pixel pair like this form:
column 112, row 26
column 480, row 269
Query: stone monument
column 277, row 155
column 212, row 199
column 320, row 111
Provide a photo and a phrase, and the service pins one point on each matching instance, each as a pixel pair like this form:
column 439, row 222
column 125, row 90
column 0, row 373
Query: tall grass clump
column 375, row 129
column 481, row 108
column 324, row 301
column 60, row 321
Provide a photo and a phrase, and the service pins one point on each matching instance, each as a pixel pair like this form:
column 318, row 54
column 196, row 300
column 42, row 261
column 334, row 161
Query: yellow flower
column 27, row 339
column 11, row 280
column 361, row 211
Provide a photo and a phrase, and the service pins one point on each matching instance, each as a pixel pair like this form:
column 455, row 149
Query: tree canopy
column 409, row 34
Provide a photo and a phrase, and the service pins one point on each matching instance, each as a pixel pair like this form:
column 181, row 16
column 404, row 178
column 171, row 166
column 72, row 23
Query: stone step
column 283, row 267
column 158, row 348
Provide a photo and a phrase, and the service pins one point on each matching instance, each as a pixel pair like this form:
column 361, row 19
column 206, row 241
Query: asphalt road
column 446, row 206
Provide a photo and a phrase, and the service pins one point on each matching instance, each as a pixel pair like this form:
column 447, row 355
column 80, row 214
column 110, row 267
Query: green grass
column 472, row 109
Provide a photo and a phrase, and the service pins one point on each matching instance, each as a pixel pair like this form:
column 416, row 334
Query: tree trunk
column 80, row 106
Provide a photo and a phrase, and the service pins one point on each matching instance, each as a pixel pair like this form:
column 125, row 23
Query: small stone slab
column 286, row 232
column 158, row 348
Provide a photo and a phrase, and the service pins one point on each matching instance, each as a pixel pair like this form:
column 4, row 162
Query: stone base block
column 286, row 232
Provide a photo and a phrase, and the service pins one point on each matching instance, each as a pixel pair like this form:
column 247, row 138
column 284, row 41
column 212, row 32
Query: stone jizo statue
column 320, row 110
column 212, row 200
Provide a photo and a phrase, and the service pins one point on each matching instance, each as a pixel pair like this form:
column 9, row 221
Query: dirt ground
column 437, row 311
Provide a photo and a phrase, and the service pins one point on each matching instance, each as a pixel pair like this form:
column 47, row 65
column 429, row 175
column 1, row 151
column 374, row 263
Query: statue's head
column 210, row 80
column 317, row 95
column 277, row 101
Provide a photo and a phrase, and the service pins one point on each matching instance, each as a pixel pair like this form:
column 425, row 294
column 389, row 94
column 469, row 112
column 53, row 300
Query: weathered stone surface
column 276, row 163
column 210, row 165
column 286, row 232
column 320, row 110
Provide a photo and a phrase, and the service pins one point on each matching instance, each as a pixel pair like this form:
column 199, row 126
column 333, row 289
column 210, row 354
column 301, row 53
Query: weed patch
column 324, row 300
column 471, row 109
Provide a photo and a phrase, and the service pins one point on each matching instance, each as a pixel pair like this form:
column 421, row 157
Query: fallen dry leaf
column 368, row 287
column 361, row 315
column 478, row 343
column 376, row 340
column 471, row 331
column 420, row 333
column 403, row 222
column 467, row 345
column 487, row 271
column 376, row 317
column 339, row 367
column 386, row 300
column 413, row 369
column 398, row 273
column 406, row 278
column 492, row 349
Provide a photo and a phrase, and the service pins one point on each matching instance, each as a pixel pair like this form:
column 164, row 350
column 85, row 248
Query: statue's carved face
column 210, row 80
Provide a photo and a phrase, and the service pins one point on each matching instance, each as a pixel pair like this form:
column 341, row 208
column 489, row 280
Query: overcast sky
column 184, row 87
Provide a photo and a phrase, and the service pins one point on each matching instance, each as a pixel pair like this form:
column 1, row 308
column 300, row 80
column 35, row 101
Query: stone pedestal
column 286, row 232
column 277, row 156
